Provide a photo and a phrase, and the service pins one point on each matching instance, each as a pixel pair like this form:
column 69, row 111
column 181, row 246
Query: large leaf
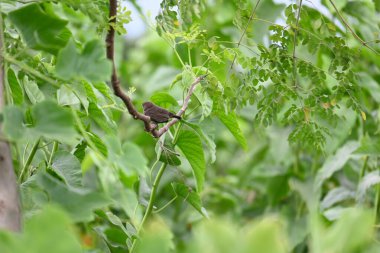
column 49, row 230
column 53, row 121
column 163, row 99
column 79, row 203
column 40, row 29
column 91, row 63
column 134, row 158
column 230, row 121
column 207, row 140
column 191, row 146
column 67, row 166
column 335, row 162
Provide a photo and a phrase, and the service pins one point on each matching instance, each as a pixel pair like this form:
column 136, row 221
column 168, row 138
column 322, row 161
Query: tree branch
column 10, row 214
column 365, row 44
column 244, row 31
column 149, row 126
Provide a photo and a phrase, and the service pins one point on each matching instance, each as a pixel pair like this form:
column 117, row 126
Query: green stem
column 152, row 197
column 54, row 149
column 31, row 70
column 29, row 160
column 189, row 55
column 362, row 171
column 166, row 205
column 150, row 204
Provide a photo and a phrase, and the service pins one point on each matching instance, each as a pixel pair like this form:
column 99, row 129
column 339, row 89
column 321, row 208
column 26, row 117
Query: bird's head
column 147, row 105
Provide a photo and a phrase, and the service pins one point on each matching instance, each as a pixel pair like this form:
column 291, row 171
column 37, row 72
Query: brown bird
column 158, row 114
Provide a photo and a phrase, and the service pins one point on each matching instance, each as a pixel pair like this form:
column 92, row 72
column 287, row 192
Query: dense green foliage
column 278, row 150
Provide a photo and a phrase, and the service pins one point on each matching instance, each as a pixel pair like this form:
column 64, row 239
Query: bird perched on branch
column 158, row 114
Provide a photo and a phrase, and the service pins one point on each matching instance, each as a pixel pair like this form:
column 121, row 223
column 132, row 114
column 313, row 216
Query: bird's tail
column 175, row 116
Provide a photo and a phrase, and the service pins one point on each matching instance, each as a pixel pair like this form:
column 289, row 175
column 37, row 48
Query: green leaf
column 49, row 229
column 33, row 91
column 369, row 146
column 101, row 118
column 104, row 89
column 13, row 126
column 134, row 158
column 335, row 162
column 170, row 157
column 339, row 237
column 367, row 182
column 102, row 148
column 191, row 146
column 80, row 92
column 166, row 153
column 117, row 222
column 66, row 96
column 267, row 235
column 163, row 99
column 190, row 196
column 208, row 141
column 44, row 31
column 79, row 203
column 91, row 63
column 67, row 166
column 205, row 101
column 157, row 237
column 230, row 121
column 15, row 87
column 53, row 121
column 336, row 195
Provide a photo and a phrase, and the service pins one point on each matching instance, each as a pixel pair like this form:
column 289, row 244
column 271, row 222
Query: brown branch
column 149, row 127
column 165, row 128
column 10, row 214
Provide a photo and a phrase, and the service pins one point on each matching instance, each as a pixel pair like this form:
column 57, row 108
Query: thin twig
column 295, row 44
column 165, row 128
column 245, row 30
column 149, row 127
column 351, row 30
column 149, row 208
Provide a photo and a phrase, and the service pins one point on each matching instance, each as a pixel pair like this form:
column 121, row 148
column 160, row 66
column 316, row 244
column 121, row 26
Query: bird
column 158, row 114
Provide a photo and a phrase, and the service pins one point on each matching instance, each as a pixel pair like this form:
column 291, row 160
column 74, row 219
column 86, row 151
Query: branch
column 351, row 30
column 10, row 214
column 295, row 44
column 245, row 30
column 149, row 127
column 165, row 128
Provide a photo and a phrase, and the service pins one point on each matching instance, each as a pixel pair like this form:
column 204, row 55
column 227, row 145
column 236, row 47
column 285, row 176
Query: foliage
column 277, row 152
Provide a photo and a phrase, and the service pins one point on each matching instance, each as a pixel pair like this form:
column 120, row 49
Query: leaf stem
column 29, row 160
column 166, row 205
column 53, row 150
